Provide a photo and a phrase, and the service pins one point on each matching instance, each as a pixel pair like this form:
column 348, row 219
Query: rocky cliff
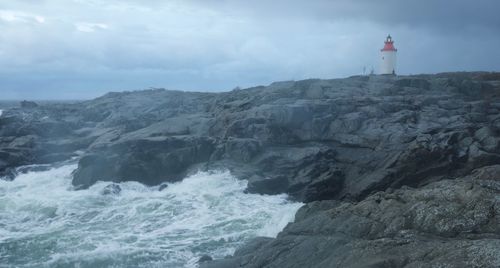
column 394, row 171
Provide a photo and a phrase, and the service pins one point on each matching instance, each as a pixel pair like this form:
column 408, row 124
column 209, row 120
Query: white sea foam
column 44, row 223
column 1, row 112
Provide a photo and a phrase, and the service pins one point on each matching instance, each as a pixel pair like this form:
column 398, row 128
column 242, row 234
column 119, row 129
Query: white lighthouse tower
column 388, row 64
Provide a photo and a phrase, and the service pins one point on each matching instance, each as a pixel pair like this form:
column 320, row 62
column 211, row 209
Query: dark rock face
column 150, row 161
column 386, row 164
column 448, row 223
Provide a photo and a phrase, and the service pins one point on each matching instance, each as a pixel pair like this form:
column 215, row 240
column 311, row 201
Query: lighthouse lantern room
column 388, row 64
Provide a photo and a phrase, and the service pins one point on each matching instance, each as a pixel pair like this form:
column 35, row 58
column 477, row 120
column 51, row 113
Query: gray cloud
column 84, row 48
column 437, row 14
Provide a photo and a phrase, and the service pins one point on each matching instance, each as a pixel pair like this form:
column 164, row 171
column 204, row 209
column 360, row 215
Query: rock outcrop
column 150, row 161
column 388, row 165
column 313, row 139
column 448, row 223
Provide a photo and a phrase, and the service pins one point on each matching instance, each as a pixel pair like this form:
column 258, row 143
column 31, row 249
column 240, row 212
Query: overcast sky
column 71, row 49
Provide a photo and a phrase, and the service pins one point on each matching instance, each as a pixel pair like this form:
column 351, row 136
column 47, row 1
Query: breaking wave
column 45, row 223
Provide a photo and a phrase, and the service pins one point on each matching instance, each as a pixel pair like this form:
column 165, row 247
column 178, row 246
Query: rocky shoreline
column 395, row 171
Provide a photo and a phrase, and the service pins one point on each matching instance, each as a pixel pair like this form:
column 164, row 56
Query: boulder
column 205, row 258
column 163, row 186
column 28, row 104
column 111, row 189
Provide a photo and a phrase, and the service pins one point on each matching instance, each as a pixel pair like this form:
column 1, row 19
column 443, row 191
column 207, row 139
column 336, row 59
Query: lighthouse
column 388, row 56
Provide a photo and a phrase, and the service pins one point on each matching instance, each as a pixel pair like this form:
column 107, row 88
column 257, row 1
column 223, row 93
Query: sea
column 45, row 222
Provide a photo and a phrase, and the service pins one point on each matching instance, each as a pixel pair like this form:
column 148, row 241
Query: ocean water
column 45, row 223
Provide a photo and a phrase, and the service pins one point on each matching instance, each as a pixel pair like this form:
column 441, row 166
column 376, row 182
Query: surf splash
column 45, row 223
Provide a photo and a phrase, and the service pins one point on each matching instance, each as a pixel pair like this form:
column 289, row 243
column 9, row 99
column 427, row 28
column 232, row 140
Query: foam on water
column 44, row 223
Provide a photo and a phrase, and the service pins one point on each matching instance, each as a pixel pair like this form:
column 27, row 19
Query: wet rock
column 33, row 168
column 205, row 258
column 28, row 104
column 150, row 161
column 162, row 187
column 111, row 189
column 446, row 223
column 8, row 173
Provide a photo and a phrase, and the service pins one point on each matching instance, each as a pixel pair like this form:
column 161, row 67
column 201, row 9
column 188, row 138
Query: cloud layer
column 69, row 49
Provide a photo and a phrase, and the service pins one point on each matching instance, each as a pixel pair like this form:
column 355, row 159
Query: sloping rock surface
column 449, row 223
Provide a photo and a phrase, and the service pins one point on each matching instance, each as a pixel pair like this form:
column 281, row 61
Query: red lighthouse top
column 389, row 44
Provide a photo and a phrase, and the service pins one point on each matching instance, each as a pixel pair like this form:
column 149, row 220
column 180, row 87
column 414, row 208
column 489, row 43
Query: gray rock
column 150, row 161
column 111, row 189
column 28, row 104
column 449, row 223
column 372, row 156
column 205, row 258
column 313, row 139
column 162, row 187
